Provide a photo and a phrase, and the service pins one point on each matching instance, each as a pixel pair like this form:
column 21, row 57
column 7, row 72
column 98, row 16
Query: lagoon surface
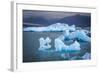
column 49, row 25
column 32, row 54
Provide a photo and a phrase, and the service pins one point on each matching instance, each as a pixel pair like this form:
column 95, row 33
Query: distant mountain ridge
column 78, row 20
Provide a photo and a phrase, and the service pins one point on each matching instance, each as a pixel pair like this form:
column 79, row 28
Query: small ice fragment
column 59, row 44
column 86, row 56
column 75, row 46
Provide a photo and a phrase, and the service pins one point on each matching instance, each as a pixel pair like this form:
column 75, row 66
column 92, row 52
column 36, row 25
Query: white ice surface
column 53, row 27
column 44, row 43
column 86, row 56
column 60, row 45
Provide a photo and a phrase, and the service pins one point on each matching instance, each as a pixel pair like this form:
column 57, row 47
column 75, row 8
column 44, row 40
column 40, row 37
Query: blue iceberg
column 86, row 56
column 78, row 34
column 44, row 43
column 60, row 45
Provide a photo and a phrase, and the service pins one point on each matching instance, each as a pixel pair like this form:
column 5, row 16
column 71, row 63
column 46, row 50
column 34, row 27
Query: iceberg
column 78, row 34
column 81, row 35
column 72, row 28
column 75, row 46
column 53, row 27
column 66, row 33
column 44, row 43
column 60, row 45
column 71, row 36
column 58, row 27
column 38, row 29
column 86, row 56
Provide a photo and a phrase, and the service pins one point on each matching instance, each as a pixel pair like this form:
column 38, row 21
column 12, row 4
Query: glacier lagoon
column 56, row 42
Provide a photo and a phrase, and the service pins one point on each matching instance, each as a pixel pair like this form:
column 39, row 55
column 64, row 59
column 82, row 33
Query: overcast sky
column 49, row 14
column 45, row 18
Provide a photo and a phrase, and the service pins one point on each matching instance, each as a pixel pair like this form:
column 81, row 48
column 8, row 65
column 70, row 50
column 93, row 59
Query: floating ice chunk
column 66, row 33
column 81, row 35
column 72, row 28
column 58, row 27
column 78, row 34
column 72, row 36
column 86, row 31
column 59, row 45
column 75, row 46
column 61, row 37
column 86, row 56
column 28, row 29
column 44, row 43
column 35, row 29
column 52, row 27
column 48, row 40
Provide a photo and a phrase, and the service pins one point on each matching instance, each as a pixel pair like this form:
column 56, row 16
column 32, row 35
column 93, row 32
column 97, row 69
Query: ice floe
column 60, row 45
column 78, row 34
column 53, row 27
column 86, row 56
column 44, row 43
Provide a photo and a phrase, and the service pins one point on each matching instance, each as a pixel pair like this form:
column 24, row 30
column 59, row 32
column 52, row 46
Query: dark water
column 31, row 45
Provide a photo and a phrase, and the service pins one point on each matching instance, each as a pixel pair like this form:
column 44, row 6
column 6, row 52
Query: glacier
column 52, row 27
column 86, row 56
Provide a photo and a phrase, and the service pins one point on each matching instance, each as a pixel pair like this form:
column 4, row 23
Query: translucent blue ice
column 60, row 45
column 75, row 46
column 86, row 56
column 44, row 43
column 53, row 27
column 74, row 34
column 81, row 35
column 78, row 34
